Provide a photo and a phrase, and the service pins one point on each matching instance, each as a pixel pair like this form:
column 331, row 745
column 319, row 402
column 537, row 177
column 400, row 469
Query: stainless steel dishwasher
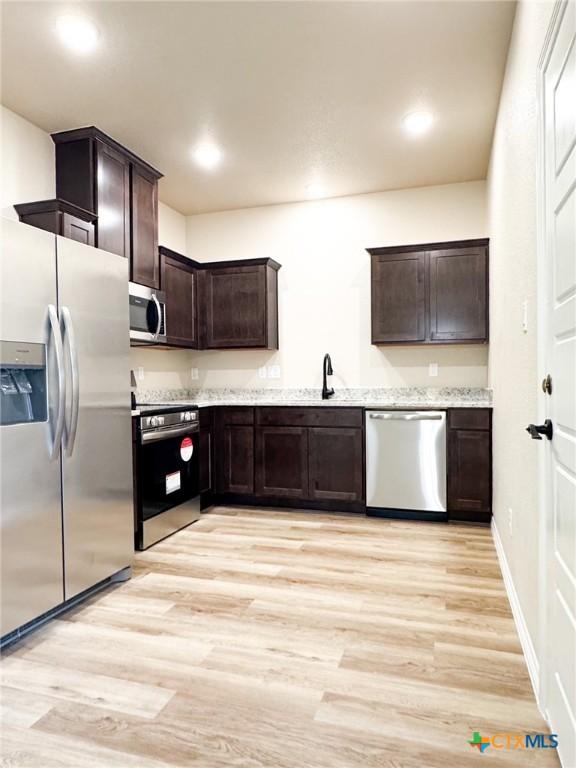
column 406, row 463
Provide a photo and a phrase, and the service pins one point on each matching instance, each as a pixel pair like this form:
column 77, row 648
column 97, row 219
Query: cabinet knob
column 547, row 385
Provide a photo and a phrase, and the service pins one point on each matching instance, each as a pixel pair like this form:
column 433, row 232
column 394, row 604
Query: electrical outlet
column 273, row 371
column 433, row 369
column 263, row 372
column 510, row 520
column 140, row 373
column 193, row 373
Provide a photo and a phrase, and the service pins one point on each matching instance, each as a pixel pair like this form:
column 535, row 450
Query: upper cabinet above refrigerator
column 98, row 174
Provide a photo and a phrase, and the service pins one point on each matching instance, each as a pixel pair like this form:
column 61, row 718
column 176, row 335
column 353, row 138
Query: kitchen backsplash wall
column 324, row 286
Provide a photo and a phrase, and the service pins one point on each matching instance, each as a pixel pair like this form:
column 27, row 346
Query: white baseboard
column 521, row 626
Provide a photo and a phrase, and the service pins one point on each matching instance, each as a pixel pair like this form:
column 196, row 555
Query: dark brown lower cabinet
column 235, row 453
column 469, row 475
column 308, row 457
column 282, row 462
column 314, row 458
column 336, row 463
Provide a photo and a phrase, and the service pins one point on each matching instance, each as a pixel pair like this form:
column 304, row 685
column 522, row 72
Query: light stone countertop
column 413, row 397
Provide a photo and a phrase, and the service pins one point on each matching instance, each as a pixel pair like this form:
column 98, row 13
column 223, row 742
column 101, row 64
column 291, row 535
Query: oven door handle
column 167, row 433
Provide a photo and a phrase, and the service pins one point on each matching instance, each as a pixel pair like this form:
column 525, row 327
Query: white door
column 559, row 339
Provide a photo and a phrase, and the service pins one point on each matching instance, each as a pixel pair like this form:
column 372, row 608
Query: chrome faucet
column 326, row 371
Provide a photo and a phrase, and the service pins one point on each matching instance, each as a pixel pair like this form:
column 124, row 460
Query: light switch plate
column 140, row 373
column 433, row 369
column 193, row 373
column 525, row 316
column 263, row 372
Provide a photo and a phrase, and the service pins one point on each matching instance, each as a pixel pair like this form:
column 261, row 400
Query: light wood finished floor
column 283, row 640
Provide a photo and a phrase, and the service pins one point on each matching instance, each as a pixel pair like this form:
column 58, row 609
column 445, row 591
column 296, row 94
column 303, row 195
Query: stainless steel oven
column 147, row 315
column 166, row 467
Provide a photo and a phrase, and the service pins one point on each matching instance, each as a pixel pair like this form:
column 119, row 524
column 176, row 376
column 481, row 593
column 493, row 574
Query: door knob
column 547, row 385
column 536, row 432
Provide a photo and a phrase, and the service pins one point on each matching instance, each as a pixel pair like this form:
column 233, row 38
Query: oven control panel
column 175, row 419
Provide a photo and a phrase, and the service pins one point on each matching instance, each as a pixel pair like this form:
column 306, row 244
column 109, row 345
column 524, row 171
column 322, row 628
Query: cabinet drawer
column 236, row 415
column 309, row 416
column 469, row 418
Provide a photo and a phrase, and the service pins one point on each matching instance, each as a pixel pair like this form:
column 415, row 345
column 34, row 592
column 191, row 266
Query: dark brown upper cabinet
column 398, row 298
column 59, row 217
column 459, row 294
column 112, row 199
column 435, row 293
column 145, row 267
column 239, row 304
column 98, row 174
column 179, row 278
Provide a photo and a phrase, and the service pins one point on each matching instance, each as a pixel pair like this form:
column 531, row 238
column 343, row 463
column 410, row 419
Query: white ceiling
column 294, row 92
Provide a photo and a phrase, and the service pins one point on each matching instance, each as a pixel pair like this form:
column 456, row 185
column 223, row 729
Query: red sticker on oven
column 186, row 449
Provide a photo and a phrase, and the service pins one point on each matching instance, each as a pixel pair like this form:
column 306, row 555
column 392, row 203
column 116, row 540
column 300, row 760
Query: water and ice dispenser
column 23, row 393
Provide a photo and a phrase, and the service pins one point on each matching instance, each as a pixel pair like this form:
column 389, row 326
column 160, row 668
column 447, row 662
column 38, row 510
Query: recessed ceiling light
column 207, row 155
column 315, row 191
column 418, row 123
column 77, row 34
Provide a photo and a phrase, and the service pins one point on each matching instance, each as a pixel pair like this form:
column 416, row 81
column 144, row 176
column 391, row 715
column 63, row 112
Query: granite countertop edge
column 455, row 398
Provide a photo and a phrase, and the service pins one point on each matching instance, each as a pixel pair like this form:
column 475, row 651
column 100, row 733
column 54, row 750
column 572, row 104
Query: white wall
column 171, row 228
column 26, row 163
column 324, row 285
column 513, row 372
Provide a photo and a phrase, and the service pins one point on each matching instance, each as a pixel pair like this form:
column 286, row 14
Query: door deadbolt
column 547, row 385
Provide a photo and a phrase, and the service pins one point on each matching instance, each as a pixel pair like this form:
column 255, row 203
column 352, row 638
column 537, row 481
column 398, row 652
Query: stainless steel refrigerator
column 65, row 425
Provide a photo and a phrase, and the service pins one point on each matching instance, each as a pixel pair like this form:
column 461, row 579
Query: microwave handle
column 159, row 312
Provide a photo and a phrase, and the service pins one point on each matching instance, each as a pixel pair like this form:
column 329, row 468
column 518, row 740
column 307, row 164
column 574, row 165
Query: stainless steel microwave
column 147, row 315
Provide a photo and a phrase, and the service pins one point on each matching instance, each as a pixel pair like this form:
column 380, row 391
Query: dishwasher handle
column 407, row 416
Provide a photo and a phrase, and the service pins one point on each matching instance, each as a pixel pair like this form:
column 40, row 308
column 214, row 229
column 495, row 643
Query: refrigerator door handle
column 70, row 434
column 54, row 330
